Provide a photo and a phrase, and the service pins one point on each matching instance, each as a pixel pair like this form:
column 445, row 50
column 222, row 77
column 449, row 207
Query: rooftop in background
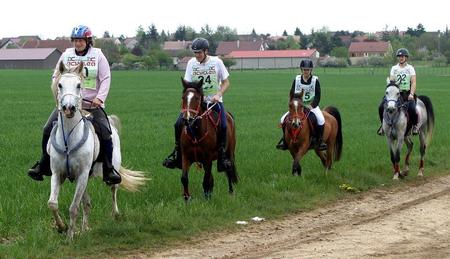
column 273, row 53
column 26, row 54
column 61, row 45
column 369, row 46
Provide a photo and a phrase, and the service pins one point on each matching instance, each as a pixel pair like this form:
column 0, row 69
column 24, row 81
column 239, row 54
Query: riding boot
column 223, row 162
column 174, row 159
column 282, row 145
column 320, row 144
column 414, row 117
column 380, row 130
column 41, row 167
column 110, row 174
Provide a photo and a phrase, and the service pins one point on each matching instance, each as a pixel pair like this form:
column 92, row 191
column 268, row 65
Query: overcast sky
column 50, row 18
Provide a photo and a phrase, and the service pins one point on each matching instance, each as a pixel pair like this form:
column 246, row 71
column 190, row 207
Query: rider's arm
column 316, row 100
column 413, row 85
column 103, row 78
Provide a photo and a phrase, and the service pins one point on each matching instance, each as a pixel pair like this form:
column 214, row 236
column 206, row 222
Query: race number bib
column 90, row 67
column 209, row 77
column 403, row 81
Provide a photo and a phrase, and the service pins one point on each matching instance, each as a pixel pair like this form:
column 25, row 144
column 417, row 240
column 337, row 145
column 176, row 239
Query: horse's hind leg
column 75, row 206
column 409, row 145
column 115, row 208
column 423, row 147
column 53, row 202
column 322, row 157
column 86, row 211
column 208, row 181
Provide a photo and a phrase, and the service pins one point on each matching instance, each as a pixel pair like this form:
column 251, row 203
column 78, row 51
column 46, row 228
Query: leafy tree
column 298, row 32
column 153, row 34
column 106, row 35
column 285, row 33
column 110, row 49
column 339, row 52
column 229, row 62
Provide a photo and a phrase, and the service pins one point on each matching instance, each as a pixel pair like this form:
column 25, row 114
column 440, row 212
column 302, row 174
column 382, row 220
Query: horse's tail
column 430, row 117
column 115, row 122
column 339, row 141
column 132, row 180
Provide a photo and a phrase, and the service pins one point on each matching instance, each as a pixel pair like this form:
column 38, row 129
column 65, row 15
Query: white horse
column 73, row 149
column 395, row 125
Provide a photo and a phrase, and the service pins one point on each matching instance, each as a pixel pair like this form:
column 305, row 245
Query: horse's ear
column 79, row 68
column 61, row 67
column 200, row 83
column 301, row 94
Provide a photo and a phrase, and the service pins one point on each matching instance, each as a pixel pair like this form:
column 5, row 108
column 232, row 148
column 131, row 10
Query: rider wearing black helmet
column 311, row 86
column 215, row 83
column 404, row 76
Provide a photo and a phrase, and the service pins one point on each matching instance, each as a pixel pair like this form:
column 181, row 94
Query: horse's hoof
column 208, row 195
column 395, row 176
column 187, row 198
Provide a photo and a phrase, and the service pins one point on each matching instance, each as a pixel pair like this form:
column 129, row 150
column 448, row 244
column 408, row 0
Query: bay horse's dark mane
column 296, row 96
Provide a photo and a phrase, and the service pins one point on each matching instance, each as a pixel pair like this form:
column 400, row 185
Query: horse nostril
column 64, row 107
column 72, row 108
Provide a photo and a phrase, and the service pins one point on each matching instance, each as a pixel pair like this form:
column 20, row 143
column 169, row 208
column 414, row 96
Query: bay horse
column 199, row 139
column 298, row 132
column 397, row 128
column 73, row 148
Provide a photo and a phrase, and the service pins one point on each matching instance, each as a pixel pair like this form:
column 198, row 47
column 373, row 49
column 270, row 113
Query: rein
column 66, row 150
column 294, row 132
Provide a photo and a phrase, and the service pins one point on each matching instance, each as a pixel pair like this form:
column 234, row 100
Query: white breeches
column 316, row 111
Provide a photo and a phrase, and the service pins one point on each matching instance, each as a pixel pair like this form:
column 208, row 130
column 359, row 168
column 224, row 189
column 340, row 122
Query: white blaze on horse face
column 189, row 99
column 392, row 95
column 69, row 91
column 296, row 120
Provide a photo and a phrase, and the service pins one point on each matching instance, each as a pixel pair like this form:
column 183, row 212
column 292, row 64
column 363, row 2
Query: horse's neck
column 67, row 125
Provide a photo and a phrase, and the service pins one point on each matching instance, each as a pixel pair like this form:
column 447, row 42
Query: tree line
column 433, row 47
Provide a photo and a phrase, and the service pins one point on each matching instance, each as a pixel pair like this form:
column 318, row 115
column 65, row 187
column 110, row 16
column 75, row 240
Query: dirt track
column 410, row 222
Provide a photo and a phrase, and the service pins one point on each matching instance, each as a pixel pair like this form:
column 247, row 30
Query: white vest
column 309, row 90
column 90, row 61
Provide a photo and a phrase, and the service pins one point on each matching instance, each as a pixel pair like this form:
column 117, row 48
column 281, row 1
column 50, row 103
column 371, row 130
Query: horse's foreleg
column 395, row 159
column 329, row 157
column 423, row 147
column 185, row 178
column 53, row 202
column 208, row 181
column 115, row 208
column 86, row 211
column 74, row 207
column 409, row 145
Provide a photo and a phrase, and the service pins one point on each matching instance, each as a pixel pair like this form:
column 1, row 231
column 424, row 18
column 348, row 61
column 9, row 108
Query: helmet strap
column 203, row 60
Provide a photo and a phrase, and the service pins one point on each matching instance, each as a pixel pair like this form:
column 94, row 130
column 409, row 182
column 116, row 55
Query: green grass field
column 148, row 104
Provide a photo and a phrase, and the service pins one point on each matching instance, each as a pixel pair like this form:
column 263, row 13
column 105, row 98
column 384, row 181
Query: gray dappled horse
column 395, row 125
column 73, row 148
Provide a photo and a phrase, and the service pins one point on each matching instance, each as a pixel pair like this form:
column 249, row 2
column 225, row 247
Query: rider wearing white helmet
column 214, row 74
column 404, row 75
column 311, row 98
column 95, row 90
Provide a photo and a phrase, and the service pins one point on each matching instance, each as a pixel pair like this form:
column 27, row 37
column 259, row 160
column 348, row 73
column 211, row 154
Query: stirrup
column 35, row 173
column 322, row 146
column 380, row 131
column 113, row 177
column 172, row 161
column 281, row 145
column 415, row 130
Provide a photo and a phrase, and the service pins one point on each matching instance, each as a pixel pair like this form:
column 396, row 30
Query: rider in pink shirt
column 95, row 90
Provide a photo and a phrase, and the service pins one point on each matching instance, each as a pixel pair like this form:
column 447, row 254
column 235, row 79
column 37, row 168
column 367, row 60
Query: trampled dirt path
column 409, row 222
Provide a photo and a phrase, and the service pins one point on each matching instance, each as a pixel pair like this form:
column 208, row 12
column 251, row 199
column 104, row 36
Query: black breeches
column 101, row 123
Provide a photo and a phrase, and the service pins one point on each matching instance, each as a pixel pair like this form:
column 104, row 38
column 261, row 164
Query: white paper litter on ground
column 258, row 219
column 241, row 222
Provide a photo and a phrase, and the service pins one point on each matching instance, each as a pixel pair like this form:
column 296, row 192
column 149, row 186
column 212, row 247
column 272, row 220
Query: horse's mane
column 392, row 83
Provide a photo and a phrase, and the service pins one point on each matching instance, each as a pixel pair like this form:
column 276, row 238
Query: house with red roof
column 271, row 59
column 363, row 50
column 61, row 44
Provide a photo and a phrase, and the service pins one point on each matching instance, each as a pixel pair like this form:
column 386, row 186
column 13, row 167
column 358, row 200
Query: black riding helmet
column 200, row 44
column 306, row 63
column 402, row 52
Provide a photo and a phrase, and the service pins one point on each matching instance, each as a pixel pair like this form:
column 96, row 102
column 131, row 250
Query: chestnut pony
column 199, row 138
column 299, row 134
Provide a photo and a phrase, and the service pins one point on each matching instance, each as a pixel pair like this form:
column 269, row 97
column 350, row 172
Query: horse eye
column 59, row 85
column 78, row 86
column 386, row 92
